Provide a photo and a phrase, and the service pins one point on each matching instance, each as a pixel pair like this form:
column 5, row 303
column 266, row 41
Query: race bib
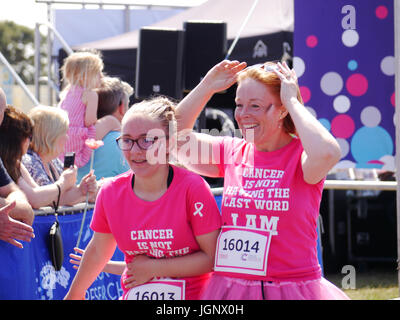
column 159, row 289
column 242, row 250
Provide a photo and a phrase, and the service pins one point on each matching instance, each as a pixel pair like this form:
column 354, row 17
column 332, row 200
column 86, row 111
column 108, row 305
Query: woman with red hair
column 273, row 181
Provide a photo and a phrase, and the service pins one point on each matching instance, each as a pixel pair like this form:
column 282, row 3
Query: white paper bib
column 242, row 250
column 159, row 289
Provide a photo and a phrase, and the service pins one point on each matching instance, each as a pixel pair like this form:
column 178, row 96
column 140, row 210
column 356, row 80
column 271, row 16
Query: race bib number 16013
column 242, row 250
column 160, row 289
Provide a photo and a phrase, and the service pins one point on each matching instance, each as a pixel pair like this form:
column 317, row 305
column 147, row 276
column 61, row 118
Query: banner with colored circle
column 344, row 58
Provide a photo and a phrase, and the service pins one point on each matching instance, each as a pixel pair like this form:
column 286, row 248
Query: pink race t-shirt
column 272, row 210
column 164, row 228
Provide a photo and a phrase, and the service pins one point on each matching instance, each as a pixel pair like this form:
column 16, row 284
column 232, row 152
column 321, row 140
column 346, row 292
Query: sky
column 28, row 12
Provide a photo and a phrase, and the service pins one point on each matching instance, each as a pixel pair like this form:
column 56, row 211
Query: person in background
column 15, row 136
column 164, row 218
column 9, row 191
column 273, row 181
column 44, row 168
column 114, row 97
column 83, row 71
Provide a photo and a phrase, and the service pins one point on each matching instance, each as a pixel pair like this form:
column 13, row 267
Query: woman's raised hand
column 288, row 82
column 223, row 75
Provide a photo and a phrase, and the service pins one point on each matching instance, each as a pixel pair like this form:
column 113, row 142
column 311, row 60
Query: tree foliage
column 17, row 46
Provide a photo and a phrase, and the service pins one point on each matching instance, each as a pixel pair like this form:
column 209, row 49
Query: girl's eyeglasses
column 144, row 143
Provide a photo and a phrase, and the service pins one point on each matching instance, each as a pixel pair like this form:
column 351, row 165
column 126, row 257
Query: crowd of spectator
column 32, row 174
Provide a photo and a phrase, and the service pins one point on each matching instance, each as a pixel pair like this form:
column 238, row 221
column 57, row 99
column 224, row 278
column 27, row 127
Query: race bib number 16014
column 242, row 250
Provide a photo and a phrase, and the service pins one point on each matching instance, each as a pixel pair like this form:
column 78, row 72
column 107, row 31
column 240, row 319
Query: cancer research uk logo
column 49, row 278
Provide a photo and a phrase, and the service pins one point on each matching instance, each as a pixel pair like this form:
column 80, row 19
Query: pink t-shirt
column 163, row 228
column 267, row 191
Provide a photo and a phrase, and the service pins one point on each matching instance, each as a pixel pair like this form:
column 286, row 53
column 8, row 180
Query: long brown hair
column 15, row 128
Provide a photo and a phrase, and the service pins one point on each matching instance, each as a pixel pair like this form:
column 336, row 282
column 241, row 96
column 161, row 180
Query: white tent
column 271, row 26
column 268, row 17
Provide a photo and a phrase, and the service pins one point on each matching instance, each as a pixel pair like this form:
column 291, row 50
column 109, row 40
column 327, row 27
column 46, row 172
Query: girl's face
column 144, row 162
column 257, row 112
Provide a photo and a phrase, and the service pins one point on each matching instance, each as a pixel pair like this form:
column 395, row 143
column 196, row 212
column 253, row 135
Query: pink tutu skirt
column 228, row 288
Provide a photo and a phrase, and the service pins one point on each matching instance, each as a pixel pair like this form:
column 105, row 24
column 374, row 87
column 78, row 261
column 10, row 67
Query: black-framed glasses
column 144, row 143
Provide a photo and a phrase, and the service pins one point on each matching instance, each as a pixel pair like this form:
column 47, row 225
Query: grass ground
column 376, row 283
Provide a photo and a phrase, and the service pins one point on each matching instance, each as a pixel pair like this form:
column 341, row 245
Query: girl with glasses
column 163, row 217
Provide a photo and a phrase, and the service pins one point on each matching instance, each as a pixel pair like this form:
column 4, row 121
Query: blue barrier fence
column 27, row 274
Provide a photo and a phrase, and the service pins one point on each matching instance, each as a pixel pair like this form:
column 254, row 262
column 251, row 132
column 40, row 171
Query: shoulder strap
column 58, row 200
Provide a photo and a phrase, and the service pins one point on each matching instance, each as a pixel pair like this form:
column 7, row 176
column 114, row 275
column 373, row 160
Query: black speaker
column 159, row 63
column 205, row 46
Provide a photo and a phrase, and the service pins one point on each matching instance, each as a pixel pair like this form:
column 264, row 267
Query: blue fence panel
column 28, row 274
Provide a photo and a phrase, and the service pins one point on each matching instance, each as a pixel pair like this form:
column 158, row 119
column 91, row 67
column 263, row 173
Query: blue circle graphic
column 369, row 145
column 352, row 65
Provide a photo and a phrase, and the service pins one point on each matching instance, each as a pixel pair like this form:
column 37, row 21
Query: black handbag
column 55, row 239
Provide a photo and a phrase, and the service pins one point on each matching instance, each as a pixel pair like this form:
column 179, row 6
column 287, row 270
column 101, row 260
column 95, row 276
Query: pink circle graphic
column 342, row 126
column 357, row 84
column 305, row 93
column 381, row 12
column 311, row 41
column 393, row 99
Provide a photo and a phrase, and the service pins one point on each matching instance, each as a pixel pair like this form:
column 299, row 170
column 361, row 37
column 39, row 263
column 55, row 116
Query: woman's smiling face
column 258, row 112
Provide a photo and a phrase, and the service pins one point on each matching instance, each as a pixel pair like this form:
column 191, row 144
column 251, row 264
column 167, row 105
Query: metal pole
column 18, row 79
column 397, row 121
column 127, row 19
column 241, row 29
column 64, row 44
column 37, row 61
column 49, row 56
column 83, row 3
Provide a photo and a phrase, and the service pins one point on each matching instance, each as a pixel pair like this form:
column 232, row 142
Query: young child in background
column 83, row 71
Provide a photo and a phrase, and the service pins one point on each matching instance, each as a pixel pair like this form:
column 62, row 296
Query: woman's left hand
column 139, row 271
column 288, row 83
